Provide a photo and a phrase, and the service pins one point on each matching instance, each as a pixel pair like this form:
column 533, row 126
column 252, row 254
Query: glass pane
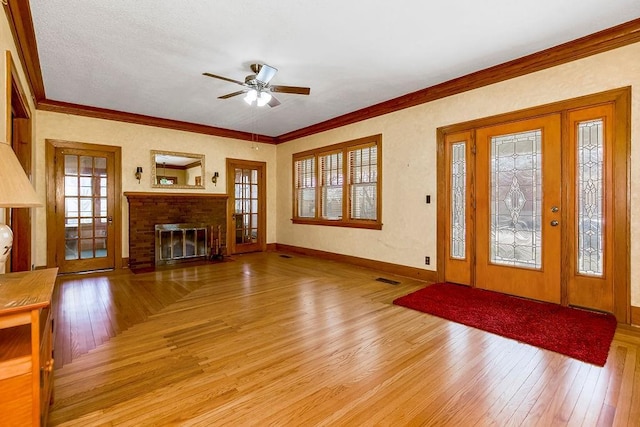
column 71, row 249
column 70, row 207
column 86, row 165
column 100, row 206
column 70, row 165
column 307, row 202
column 101, row 229
column 70, row 186
column 590, row 192
column 86, row 186
column 516, row 200
column 363, row 201
column 86, row 231
column 100, row 166
column 458, row 200
column 86, row 248
column 71, row 229
column 86, row 208
column 101, row 248
column 305, row 188
column 332, row 180
column 363, row 164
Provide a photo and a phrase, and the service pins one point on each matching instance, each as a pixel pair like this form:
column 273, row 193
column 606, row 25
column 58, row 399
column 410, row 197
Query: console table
column 26, row 346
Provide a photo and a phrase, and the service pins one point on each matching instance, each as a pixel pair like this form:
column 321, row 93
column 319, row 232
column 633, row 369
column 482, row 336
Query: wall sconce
column 139, row 173
column 214, row 178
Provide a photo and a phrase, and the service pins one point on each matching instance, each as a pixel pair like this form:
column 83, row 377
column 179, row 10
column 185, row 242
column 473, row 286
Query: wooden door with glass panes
column 530, row 209
column 84, row 210
column 246, row 213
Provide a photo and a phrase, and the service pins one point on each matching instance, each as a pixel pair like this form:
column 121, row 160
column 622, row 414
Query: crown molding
column 140, row 119
column 19, row 14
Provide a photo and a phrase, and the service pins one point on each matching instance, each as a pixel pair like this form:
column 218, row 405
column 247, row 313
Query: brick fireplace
column 146, row 210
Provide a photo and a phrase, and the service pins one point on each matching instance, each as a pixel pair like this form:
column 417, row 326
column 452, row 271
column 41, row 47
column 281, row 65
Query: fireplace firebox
column 180, row 242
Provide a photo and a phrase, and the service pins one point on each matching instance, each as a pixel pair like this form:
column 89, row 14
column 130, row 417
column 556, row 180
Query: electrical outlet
column 427, row 260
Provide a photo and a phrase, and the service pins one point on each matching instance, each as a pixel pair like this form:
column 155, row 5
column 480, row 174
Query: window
column 339, row 185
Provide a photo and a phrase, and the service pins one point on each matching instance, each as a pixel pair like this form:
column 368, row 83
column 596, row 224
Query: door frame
column 18, row 116
column 620, row 99
column 262, row 201
column 50, row 150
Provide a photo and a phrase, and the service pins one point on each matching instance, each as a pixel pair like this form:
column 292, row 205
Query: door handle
column 554, row 209
column 554, row 223
column 110, row 220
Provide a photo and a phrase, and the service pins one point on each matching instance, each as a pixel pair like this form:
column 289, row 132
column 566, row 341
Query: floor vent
column 286, row 256
column 389, row 281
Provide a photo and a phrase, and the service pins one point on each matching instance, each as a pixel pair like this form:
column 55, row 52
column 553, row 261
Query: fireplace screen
column 180, row 242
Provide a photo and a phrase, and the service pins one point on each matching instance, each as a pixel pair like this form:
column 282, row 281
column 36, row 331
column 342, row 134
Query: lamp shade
column 16, row 190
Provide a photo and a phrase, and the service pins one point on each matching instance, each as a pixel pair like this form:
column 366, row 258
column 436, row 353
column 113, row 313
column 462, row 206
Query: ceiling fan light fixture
column 263, row 99
column 251, row 96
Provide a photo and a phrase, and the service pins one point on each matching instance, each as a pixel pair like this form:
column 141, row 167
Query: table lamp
column 16, row 191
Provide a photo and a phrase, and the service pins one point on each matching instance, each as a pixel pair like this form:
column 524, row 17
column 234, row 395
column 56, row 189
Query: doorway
column 19, row 136
column 247, row 206
column 534, row 203
column 83, row 212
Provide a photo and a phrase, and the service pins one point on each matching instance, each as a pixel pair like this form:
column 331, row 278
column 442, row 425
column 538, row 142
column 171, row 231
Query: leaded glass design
column 516, row 200
column 458, row 200
column 590, row 155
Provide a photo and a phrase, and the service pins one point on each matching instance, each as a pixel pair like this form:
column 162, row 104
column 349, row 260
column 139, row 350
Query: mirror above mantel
column 175, row 170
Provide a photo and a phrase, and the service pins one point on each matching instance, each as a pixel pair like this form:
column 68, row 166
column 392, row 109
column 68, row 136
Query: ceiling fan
column 257, row 87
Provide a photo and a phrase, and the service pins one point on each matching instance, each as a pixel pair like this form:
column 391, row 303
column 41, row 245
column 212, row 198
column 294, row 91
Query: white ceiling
column 148, row 56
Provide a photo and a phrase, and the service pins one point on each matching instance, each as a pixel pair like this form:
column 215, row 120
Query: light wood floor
column 267, row 340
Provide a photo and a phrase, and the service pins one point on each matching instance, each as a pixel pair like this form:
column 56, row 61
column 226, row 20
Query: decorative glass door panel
column 591, row 229
column 459, row 255
column 516, row 200
column 247, row 224
column 518, row 208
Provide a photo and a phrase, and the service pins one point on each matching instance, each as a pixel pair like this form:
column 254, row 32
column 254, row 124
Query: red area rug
column 581, row 334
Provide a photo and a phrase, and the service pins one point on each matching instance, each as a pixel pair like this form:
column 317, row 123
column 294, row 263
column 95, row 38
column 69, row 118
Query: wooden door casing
column 55, row 211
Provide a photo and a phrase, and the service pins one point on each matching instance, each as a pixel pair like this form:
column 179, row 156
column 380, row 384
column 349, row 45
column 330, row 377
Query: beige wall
column 136, row 142
column 409, row 159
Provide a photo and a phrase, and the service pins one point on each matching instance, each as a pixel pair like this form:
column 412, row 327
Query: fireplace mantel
column 146, row 209
column 132, row 194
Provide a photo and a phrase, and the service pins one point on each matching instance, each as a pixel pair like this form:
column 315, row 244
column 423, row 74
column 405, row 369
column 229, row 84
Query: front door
column 84, row 209
column 247, row 218
column 531, row 208
column 519, row 208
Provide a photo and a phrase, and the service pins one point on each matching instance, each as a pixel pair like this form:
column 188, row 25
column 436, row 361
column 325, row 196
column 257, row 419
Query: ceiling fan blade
column 291, row 89
column 229, row 95
column 223, row 78
column 273, row 102
column 266, row 73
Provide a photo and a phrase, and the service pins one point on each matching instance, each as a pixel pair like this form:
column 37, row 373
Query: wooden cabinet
column 26, row 347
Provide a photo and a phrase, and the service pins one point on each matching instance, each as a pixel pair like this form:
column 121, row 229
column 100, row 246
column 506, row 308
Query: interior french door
column 530, row 207
column 84, row 209
column 247, row 217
